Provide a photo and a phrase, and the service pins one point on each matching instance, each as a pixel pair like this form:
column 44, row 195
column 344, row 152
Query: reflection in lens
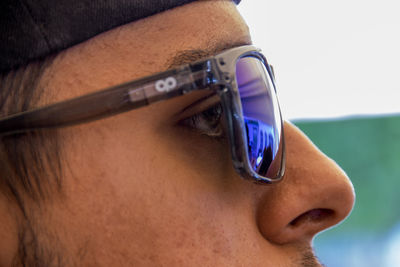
column 263, row 124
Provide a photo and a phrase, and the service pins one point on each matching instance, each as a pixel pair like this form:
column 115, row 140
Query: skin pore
column 139, row 189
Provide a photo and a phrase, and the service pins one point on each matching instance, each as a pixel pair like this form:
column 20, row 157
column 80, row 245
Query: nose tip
column 314, row 195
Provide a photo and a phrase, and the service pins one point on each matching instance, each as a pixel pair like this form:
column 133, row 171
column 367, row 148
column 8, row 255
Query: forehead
column 146, row 46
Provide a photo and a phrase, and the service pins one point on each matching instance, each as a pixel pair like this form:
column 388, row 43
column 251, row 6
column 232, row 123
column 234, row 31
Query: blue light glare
column 261, row 116
column 261, row 142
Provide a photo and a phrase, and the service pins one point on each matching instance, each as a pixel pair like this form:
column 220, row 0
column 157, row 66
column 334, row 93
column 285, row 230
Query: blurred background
column 337, row 67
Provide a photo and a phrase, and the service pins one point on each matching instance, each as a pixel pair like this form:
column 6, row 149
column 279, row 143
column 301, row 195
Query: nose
column 314, row 195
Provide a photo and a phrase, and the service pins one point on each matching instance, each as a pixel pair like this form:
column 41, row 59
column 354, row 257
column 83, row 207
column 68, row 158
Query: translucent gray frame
column 215, row 73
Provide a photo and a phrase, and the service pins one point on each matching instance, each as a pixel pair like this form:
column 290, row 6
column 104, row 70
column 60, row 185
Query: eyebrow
column 190, row 55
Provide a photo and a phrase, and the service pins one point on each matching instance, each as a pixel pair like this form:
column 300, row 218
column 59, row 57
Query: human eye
column 207, row 122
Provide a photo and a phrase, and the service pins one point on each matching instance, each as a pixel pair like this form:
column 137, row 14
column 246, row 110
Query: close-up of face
column 153, row 187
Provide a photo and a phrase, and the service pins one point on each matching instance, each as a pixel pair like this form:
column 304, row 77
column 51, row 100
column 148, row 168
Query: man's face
column 142, row 189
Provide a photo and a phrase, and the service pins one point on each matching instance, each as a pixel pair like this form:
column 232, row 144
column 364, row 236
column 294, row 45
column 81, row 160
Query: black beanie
column 33, row 29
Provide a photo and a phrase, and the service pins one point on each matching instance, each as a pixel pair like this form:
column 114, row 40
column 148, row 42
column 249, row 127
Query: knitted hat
column 33, row 29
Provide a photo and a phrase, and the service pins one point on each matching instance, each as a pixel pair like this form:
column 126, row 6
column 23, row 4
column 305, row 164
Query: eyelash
column 208, row 122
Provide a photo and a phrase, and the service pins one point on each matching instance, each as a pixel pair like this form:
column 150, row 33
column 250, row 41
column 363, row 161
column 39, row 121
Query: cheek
column 144, row 185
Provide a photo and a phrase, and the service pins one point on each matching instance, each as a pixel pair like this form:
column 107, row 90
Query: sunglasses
column 240, row 77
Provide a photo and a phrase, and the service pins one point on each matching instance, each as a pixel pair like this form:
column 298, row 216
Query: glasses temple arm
column 108, row 102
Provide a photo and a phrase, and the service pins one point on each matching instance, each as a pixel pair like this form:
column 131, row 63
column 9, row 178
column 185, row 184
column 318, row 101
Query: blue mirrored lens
column 262, row 119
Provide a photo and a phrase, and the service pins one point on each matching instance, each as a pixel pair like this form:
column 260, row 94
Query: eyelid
column 198, row 106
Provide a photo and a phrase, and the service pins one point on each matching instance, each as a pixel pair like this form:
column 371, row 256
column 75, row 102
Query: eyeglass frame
column 215, row 73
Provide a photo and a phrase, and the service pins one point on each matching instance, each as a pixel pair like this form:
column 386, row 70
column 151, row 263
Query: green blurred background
column 368, row 150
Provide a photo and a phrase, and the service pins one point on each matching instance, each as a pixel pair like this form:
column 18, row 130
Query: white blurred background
column 331, row 58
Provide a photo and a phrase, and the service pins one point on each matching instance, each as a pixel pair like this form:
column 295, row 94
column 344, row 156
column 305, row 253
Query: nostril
column 312, row 216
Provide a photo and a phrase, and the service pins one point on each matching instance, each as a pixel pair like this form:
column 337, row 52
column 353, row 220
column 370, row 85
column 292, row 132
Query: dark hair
column 30, row 165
